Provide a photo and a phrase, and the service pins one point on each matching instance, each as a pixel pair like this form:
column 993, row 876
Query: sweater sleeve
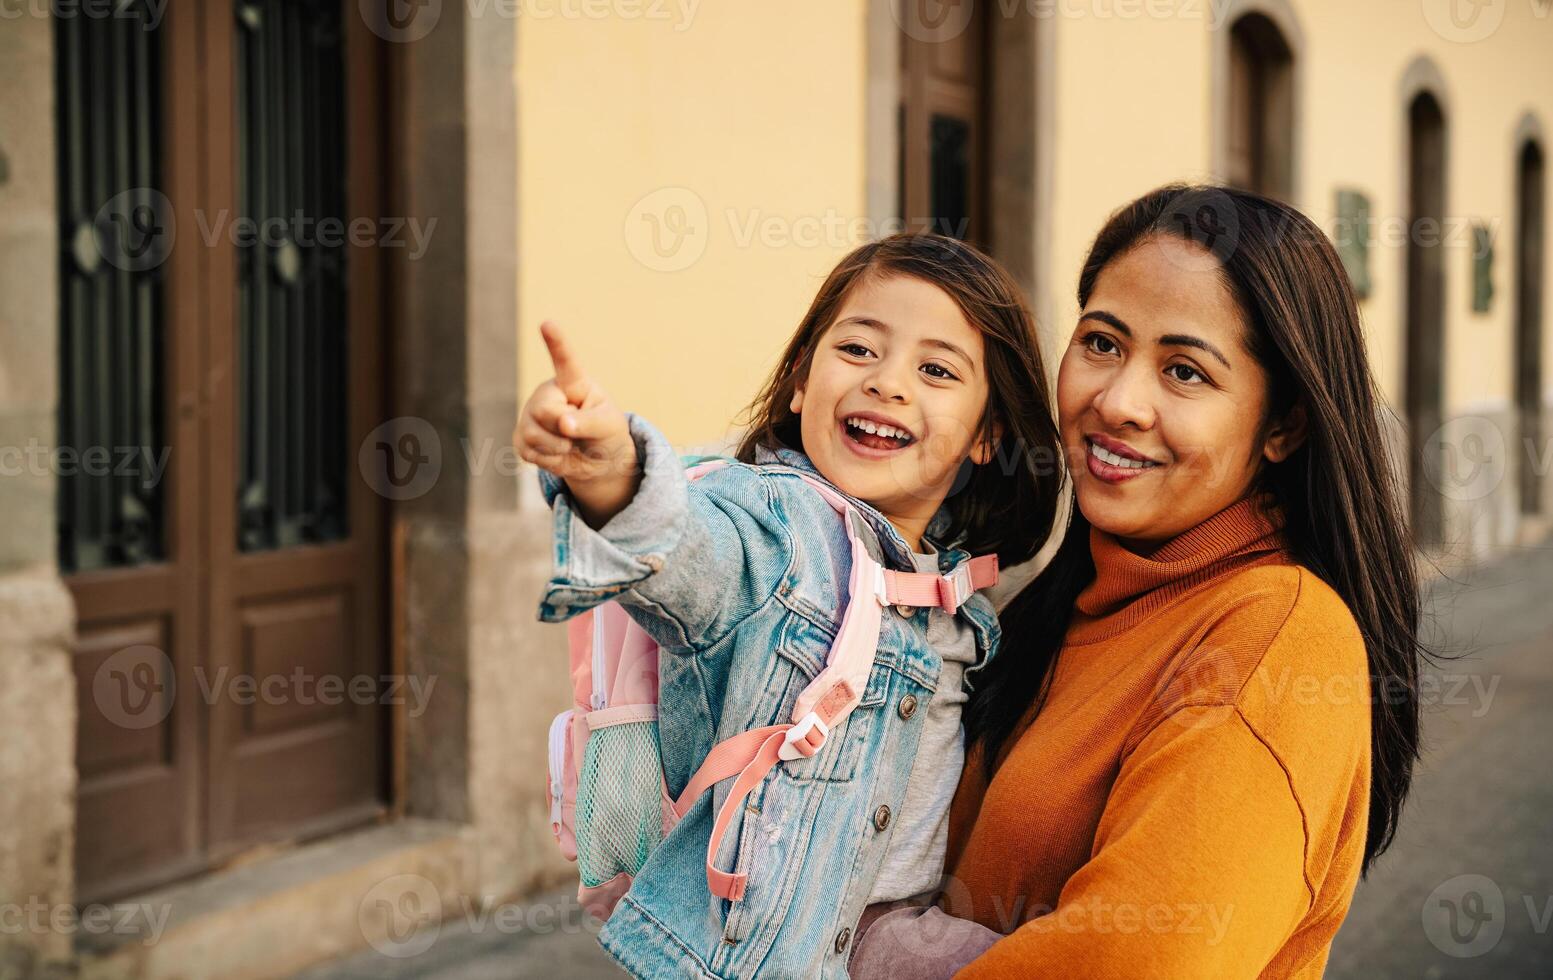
column 1197, row 867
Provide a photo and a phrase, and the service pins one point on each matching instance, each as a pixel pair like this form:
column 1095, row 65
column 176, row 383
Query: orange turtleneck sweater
column 1192, row 799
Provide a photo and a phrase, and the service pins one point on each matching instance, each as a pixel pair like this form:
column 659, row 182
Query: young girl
column 913, row 386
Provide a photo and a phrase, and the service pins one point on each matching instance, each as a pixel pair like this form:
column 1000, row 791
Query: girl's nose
column 885, row 384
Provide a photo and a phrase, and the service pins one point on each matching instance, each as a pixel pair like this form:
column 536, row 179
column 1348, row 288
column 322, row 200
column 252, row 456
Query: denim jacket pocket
column 804, row 645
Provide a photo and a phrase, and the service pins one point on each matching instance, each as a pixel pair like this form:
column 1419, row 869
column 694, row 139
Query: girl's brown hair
column 1005, row 506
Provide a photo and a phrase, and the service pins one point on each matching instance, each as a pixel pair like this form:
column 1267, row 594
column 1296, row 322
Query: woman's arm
column 1198, row 866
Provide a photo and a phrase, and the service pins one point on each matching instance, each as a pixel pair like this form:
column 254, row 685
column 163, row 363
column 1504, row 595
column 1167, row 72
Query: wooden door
column 230, row 604
column 941, row 129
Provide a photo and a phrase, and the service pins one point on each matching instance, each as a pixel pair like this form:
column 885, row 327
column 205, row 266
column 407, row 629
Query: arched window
column 1426, row 162
column 1259, row 150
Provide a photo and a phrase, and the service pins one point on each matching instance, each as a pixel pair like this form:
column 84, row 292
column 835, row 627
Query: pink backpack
column 609, row 801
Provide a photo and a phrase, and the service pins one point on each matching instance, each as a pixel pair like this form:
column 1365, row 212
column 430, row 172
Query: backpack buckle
column 797, row 743
column 955, row 588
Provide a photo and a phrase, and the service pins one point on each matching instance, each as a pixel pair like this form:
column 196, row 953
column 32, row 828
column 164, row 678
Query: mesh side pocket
column 619, row 801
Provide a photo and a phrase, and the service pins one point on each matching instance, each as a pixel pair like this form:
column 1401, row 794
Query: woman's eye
column 1100, row 343
column 856, row 350
column 939, row 371
column 1185, row 373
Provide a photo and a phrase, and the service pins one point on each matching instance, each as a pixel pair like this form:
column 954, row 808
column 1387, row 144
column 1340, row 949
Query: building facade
column 270, row 278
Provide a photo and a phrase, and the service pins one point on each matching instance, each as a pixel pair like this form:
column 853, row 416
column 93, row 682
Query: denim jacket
column 741, row 577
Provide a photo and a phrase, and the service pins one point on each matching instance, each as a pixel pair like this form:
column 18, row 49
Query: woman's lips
column 1111, row 472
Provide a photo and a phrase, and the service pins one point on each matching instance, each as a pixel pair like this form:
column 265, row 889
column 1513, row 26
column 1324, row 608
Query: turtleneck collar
column 1128, row 586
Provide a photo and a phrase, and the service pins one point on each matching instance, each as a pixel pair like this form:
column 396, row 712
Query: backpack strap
column 836, row 690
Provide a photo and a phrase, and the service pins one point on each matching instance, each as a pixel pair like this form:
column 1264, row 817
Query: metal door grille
column 114, row 233
column 291, row 274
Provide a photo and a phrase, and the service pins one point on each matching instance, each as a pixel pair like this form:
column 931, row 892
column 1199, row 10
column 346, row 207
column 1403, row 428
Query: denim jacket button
column 882, row 816
column 842, row 938
column 907, row 706
column 904, row 611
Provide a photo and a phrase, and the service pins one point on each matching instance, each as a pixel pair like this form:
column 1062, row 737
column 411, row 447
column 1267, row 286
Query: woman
column 1189, row 779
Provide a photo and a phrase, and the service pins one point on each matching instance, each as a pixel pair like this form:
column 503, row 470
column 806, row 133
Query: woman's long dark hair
column 1006, row 506
column 1345, row 519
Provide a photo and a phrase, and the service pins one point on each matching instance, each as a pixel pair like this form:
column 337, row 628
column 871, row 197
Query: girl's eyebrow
column 882, row 327
column 1168, row 340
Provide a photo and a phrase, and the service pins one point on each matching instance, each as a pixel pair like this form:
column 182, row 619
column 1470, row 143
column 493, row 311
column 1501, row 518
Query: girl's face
column 894, row 398
column 1160, row 405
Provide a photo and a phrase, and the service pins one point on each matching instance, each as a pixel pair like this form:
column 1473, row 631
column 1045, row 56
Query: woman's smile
column 1115, row 462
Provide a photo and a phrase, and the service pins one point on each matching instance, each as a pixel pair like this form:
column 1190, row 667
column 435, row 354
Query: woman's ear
column 1286, row 435
column 983, row 451
column 796, row 405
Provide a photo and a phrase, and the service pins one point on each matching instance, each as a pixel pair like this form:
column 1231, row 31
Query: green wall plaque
column 1482, row 268
column 1353, row 239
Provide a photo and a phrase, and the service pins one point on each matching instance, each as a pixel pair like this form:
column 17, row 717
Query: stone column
column 37, row 617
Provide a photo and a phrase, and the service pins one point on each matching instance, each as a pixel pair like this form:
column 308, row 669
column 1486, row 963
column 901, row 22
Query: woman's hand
column 570, row 427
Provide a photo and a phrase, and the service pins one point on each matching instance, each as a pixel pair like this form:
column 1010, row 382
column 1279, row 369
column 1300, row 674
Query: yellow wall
column 1131, row 113
column 754, row 112
column 749, row 120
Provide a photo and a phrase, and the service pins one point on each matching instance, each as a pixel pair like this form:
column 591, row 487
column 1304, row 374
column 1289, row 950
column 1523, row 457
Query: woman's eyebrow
column 882, row 327
column 1184, row 340
column 1110, row 319
column 1168, row 340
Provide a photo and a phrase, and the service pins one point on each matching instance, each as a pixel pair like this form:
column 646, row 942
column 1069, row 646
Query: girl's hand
column 570, row 427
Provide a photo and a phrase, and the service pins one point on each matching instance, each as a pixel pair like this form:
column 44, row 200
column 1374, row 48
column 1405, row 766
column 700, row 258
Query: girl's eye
column 1186, row 374
column 939, row 371
column 1100, row 343
column 856, row 350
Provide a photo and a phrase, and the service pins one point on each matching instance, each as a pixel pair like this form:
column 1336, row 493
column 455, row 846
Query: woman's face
column 1160, row 404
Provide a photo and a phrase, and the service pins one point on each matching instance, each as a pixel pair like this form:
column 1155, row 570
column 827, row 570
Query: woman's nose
column 1124, row 402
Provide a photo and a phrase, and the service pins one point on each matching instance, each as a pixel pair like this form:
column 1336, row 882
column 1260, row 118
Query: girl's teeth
column 877, row 429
